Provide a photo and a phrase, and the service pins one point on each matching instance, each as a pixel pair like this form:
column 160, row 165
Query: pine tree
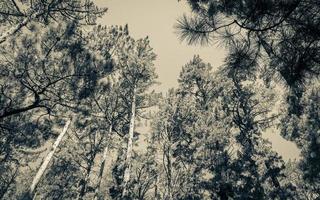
column 304, row 131
column 191, row 135
column 16, row 15
column 273, row 36
column 274, row 29
column 138, row 74
column 47, row 160
column 74, row 68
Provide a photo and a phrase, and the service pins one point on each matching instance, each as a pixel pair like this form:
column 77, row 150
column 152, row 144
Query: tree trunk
column 274, row 180
column 156, row 196
column 126, row 177
column 103, row 163
column 169, row 173
column 83, row 182
column 47, row 160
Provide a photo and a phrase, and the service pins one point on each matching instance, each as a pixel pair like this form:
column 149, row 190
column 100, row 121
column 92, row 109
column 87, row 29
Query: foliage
column 205, row 139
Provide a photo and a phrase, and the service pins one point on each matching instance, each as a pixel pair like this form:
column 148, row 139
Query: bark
column 83, row 183
column 126, row 176
column 102, row 165
column 274, row 180
column 156, row 195
column 47, row 160
column 168, row 164
column 169, row 173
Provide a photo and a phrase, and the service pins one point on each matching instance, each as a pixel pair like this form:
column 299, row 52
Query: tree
column 144, row 173
column 62, row 60
column 191, row 135
column 114, row 115
column 273, row 36
column 289, row 40
column 16, row 15
column 211, row 128
column 309, row 138
column 10, row 172
column 64, row 71
column 251, row 111
column 268, row 36
column 47, row 160
column 294, row 176
column 78, row 154
column 209, row 133
column 105, row 102
column 138, row 74
column 42, row 77
column 163, row 134
column 304, row 131
column 99, row 111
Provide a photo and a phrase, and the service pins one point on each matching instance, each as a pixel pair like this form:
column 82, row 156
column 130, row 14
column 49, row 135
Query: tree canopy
column 80, row 119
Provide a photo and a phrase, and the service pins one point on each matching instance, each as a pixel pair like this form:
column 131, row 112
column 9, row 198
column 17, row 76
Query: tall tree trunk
column 169, row 173
column 126, row 177
column 102, row 165
column 47, row 160
column 274, row 180
column 83, row 182
column 156, row 196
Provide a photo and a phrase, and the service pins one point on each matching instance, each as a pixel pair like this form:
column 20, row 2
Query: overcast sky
column 156, row 19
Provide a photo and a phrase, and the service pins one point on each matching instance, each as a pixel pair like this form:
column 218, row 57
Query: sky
column 156, row 19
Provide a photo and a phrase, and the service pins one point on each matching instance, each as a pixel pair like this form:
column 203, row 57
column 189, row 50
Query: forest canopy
column 74, row 95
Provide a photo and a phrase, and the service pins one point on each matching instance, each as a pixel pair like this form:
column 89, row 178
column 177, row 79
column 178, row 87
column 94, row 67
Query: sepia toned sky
column 156, row 19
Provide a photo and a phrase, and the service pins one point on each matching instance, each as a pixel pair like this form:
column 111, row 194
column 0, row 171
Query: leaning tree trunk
column 126, row 176
column 47, row 160
column 103, row 163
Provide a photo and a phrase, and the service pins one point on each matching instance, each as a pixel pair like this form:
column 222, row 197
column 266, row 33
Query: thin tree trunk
column 47, row 160
column 83, row 183
column 102, row 165
column 274, row 180
column 126, row 177
column 169, row 173
column 156, row 196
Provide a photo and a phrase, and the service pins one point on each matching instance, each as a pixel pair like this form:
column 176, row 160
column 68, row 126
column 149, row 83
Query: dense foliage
column 73, row 101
